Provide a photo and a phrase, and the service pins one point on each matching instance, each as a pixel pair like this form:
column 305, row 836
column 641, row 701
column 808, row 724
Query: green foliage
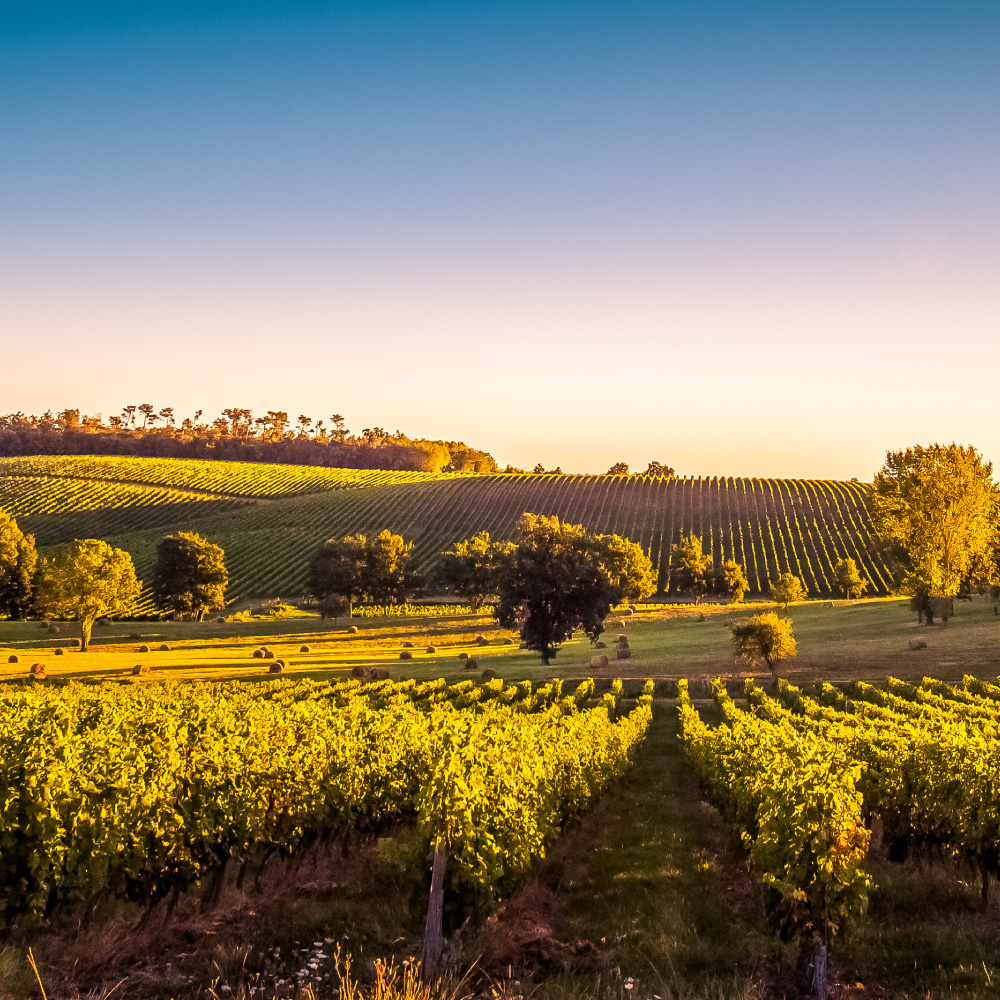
column 786, row 589
column 471, row 569
column 690, row 566
column 764, row 637
column 554, row 583
column 190, row 576
column 389, row 574
column 85, row 581
column 733, row 582
column 18, row 562
column 628, row 567
column 618, row 469
column 849, row 579
column 939, row 505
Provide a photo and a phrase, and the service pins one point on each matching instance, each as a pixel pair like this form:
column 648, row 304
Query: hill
column 269, row 518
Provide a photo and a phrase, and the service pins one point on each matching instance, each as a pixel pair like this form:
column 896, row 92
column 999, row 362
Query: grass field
column 270, row 518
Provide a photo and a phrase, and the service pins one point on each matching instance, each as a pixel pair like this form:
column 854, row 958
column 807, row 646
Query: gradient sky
column 739, row 238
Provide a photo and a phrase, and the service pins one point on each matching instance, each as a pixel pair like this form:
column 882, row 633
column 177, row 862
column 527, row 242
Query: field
column 663, row 905
column 269, row 519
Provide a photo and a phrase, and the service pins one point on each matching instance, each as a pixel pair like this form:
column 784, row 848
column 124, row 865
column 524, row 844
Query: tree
column 356, row 568
column 337, row 573
column 190, row 575
column 659, row 469
column 87, row 580
column 765, row 637
column 938, row 505
column 18, row 562
column 553, row 583
column 787, row 588
column 848, row 578
column 733, row 582
column 471, row 569
column 539, row 469
column 627, row 566
column 690, row 566
column 618, row 469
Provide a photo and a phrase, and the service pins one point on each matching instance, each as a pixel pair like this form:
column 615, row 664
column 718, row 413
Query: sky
column 739, row 238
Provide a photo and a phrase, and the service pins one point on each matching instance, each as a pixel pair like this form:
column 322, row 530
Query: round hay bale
column 45, row 623
column 303, row 649
column 258, row 654
column 600, row 645
column 139, row 669
column 358, row 671
column 59, row 651
column 38, row 671
column 75, row 643
column 432, row 649
column 379, row 674
column 144, row 649
column 407, row 645
column 599, row 661
column 12, row 658
column 54, row 629
column 463, row 656
column 103, row 621
column 507, row 642
column 353, row 630
column 406, row 655
column 268, row 654
column 623, row 653
column 918, row 644
column 622, row 637
column 471, row 663
column 489, row 675
column 163, row 648
column 627, row 612
column 135, row 635
column 481, row 640
column 276, row 667
column 220, row 621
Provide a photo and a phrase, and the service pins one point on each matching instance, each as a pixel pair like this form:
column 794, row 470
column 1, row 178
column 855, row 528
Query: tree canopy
column 732, row 581
column 938, row 506
column 87, row 580
column 190, row 575
column 18, row 562
column 848, row 578
column 554, row 583
column 627, row 566
column 690, row 566
column 788, row 588
column 764, row 637
column 471, row 569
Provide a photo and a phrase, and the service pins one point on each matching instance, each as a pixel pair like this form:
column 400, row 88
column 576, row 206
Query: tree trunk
column 816, row 971
column 434, row 928
column 201, row 615
column 85, row 626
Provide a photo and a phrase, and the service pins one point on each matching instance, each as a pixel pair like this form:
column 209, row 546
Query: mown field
column 270, row 518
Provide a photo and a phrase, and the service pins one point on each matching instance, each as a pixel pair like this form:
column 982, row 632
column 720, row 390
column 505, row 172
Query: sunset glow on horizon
column 742, row 243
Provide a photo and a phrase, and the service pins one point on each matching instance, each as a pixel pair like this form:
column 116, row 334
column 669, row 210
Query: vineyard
column 806, row 777
column 269, row 518
column 142, row 792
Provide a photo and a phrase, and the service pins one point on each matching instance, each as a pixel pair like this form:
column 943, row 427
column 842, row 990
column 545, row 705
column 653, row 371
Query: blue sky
column 756, row 239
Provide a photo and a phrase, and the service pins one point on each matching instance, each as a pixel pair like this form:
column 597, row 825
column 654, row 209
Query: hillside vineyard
column 269, row 519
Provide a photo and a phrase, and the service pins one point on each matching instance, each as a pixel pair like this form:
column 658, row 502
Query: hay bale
column 600, row 645
column 471, row 663
column 622, row 637
column 258, row 654
column 59, row 651
column 489, row 675
column 406, row 655
column 463, row 656
column 358, row 671
column 303, row 649
column 163, row 648
column 432, row 649
column 379, row 674
column 627, row 612
column 45, row 623
column 38, row 671
column 12, row 658
column 268, row 654
column 623, row 653
column 220, row 621
column 918, row 644
column 75, row 643
column 135, row 635
column 353, row 630
column 139, row 669
column 599, row 661
column 144, row 649
column 276, row 667
column 407, row 645
column 103, row 621
column 481, row 640
column 507, row 642
column 54, row 629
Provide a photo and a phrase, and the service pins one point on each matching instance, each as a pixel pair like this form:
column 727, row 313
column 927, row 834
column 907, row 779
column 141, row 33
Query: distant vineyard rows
column 770, row 526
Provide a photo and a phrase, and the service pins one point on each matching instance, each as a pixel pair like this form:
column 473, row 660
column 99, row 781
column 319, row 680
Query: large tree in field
column 848, row 578
column 392, row 578
column 765, row 637
column 471, row 569
column 190, row 575
column 938, row 505
column 787, row 588
column 690, row 566
column 731, row 581
column 554, row 583
column 18, row 562
column 628, row 567
column 85, row 581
